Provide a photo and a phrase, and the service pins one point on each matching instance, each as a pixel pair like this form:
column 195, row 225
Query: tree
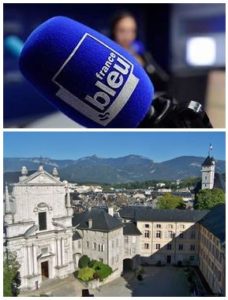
column 102, row 270
column 206, row 199
column 169, row 201
column 11, row 275
column 83, row 261
column 86, row 274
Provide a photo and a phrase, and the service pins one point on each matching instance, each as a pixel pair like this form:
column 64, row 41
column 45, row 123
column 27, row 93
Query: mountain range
column 95, row 169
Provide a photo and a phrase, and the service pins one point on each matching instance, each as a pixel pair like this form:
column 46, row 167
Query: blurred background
column 182, row 46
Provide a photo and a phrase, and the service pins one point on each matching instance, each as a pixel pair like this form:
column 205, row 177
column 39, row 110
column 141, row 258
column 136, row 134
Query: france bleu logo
column 96, row 80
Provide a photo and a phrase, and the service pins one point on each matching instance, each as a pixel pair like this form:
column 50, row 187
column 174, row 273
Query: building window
column 171, row 234
column 87, row 244
column 170, row 226
column 126, row 239
column 146, row 246
column 147, row 225
column 101, row 247
column 169, row 246
column 158, row 234
column 191, row 258
column 147, row 234
column 182, row 226
column 181, row 247
column 94, row 246
column 192, row 247
column 42, row 220
column 158, row 246
column 158, row 225
column 181, row 236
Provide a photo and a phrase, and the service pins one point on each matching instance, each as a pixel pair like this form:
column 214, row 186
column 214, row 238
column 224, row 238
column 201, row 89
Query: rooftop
column 214, row 221
column 141, row 213
column 100, row 220
column 209, row 161
column 76, row 236
column 131, row 229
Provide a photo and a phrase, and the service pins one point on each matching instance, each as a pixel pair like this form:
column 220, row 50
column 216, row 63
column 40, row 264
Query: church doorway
column 44, row 270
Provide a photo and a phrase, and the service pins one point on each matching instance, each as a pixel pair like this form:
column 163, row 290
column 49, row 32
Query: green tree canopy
column 84, row 261
column 169, row 201
column 206, row 199
column 10, row 271
column 86, row 274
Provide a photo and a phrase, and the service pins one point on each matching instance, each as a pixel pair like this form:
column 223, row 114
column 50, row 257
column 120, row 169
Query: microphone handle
column 166, row 112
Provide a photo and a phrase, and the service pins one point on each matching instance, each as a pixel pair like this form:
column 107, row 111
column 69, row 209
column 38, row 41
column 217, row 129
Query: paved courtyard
column 158, row 281
column 67, row 287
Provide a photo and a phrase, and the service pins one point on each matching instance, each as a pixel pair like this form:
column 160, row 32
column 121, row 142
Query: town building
column 48, row 239
column 167, row 236
column 212, row 249
column 100, row 236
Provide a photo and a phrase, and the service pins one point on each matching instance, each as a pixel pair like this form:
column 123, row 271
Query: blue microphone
column 87, row 76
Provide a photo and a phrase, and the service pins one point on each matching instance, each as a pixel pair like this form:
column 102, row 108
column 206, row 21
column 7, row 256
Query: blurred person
column 124, row 32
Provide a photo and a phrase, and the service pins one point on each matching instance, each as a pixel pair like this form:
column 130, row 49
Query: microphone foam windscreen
column 87, row 76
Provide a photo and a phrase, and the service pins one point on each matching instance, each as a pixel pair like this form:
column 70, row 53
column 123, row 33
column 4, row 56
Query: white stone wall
column 41, row 193
column 212, row 261
column 131, row 246
column 31, row 196
column 160, row 254
column 29, row 255
column 116, row 249
column 104, row 246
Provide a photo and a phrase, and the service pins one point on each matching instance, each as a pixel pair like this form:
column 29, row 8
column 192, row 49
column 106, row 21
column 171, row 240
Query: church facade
column 38, row 227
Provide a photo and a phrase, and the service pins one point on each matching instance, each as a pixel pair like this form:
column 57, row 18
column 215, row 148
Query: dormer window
column 42, row 217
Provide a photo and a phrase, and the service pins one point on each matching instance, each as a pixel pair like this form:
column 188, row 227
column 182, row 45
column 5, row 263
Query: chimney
column 90, row 221
column 111, row 211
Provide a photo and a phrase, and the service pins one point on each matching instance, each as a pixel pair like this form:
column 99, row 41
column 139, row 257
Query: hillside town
column 69, row 228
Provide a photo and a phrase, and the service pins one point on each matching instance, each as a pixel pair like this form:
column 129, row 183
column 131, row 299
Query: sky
column 158, row 146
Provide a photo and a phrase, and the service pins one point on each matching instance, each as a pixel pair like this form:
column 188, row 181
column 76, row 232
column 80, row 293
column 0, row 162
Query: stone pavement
column 67, row 287
column 158, row 281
